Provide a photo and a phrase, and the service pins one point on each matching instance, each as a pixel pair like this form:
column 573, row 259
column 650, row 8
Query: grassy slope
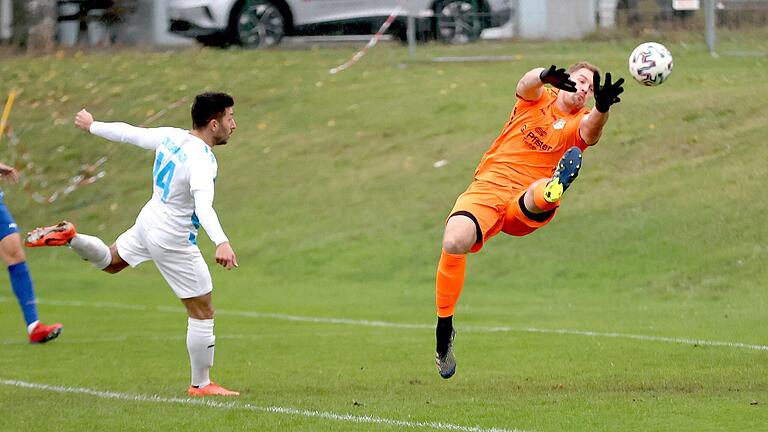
column 329, row 194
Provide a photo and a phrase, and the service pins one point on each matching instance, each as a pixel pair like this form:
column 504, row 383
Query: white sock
column 32, row 326
column 91, row 249
column 200, row 345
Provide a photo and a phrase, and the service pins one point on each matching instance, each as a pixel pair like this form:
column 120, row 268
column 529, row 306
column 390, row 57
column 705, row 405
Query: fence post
column 6, row 20
column 411, row 33
column 709, row 19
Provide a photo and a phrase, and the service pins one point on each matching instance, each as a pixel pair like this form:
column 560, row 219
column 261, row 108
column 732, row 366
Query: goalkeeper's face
column 584, row 91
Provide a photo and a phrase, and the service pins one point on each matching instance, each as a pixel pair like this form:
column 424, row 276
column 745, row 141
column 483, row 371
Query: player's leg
column 116, row 263
column 95, row 251
column 461, row 233
column 201, row 343
column 189, row 277
column 200, row 338
column 475, row 218
column 14, row 257
column 544, row 195
column 23, row 288
column 89, row 248
column 536, row 207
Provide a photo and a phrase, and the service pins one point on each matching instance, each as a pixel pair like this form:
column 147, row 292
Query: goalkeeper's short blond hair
column 582, row 65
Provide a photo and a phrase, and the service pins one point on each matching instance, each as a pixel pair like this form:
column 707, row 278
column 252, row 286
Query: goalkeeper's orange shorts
column 495, row 209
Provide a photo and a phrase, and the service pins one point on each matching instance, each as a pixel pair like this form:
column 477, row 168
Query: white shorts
column 184, row 269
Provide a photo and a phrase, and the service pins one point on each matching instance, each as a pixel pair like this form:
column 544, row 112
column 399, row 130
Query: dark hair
column 209, row 106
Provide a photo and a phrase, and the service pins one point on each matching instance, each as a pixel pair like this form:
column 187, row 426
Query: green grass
column 329, row 194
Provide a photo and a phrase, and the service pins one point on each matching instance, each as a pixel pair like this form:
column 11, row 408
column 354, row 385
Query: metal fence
column 530, row 19
column 634, row 15
column 722, row 24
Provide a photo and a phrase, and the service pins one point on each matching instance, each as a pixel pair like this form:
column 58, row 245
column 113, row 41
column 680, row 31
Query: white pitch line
column 23, row 341
column 387, row 324
column 685, row 341
column 88, row 341
column 325, row 415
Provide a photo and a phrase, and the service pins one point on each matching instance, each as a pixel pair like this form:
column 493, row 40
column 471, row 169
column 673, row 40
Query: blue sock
column 25, row 292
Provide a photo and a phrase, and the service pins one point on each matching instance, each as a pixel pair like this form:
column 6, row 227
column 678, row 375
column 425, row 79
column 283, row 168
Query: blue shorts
column 7, row 224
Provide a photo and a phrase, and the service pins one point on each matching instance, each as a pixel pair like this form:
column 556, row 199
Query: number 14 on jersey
column 163, row 174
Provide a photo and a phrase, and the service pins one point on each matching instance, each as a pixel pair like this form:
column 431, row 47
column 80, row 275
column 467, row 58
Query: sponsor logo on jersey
column 535, row 142
column 559, row 124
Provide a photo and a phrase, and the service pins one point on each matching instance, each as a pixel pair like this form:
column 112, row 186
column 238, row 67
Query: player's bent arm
column 125, row 133
column 210, row 222
column 207, row 216
column 530, row 86
column 591, row 126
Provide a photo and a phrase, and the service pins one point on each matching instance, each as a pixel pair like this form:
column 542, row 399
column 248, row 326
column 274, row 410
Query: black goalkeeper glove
column 606, row 94
column 559, row 78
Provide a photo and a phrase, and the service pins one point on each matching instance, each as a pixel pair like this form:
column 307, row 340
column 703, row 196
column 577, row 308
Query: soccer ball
column 650, row 64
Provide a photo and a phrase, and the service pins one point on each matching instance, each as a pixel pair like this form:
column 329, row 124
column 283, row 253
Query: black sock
column 536, row 217
column 443, row 333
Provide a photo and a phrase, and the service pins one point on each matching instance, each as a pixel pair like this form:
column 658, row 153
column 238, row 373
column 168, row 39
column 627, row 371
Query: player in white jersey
column 165, row 231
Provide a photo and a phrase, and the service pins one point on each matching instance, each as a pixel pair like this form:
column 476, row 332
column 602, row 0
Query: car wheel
column 457, row 21
column 258, row 24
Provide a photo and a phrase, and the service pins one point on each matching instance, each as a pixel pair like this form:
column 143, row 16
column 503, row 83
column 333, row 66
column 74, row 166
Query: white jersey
column 183, row 177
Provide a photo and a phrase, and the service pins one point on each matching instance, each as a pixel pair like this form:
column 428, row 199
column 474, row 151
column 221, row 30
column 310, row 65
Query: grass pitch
column 640, row 307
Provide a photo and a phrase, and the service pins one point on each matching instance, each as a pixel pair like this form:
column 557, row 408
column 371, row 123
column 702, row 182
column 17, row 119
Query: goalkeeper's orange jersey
column 531, row 143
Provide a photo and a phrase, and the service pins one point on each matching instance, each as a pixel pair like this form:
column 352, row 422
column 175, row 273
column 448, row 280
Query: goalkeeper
column 518, row 185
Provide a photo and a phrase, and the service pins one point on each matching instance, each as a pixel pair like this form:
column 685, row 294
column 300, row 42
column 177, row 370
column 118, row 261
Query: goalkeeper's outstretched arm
column 530, row 85
column 606, row 95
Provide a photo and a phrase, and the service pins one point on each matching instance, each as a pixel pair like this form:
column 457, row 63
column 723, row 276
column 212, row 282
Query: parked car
column 263, row 23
